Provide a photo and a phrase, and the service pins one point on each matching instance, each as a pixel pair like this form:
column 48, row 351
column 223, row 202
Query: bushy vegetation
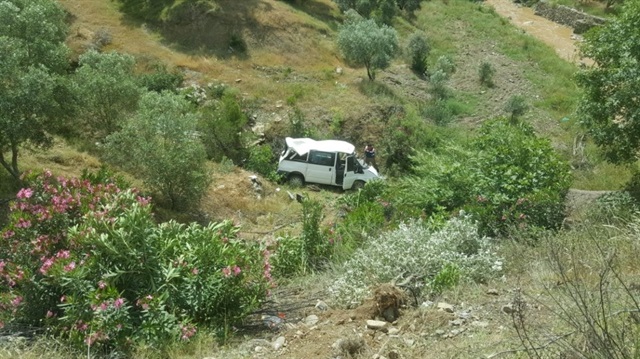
column 428, row 256
column 87, row 261
column 507, row 178
column 162, row 146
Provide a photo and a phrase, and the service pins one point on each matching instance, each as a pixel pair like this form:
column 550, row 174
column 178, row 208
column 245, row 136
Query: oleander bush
column 86, row 261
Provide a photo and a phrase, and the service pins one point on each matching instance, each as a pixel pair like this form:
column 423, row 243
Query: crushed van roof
column 303, row 145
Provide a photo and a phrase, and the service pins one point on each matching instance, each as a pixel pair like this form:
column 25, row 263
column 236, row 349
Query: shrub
column 405, row 135
column 442, row 181
column 418, row 49
column 507, row 179
column 515, row 107
column 161, row 79
column 520, row 180
column 486, row 73
column 87, row 262
column 311, row 250
column 161, row 145
column 439, row 80
column 446, row 65
column 222, row 126
column 263, row 161
column 424, row 253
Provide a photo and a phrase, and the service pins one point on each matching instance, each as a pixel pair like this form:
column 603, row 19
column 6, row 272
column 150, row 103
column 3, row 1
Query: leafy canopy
column 108, row 90
column 610, row 106
column 365, row 43
column 161, row 145
column 32, row 89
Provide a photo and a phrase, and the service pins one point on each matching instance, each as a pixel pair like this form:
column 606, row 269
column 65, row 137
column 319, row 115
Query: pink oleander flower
column 63, row 299
column 226, row 271
column 195, row 271
column 102, row 284
column 8, row 234
column 69, row 267
column 16, row 301
column 118, row 303
column 2, row 265
column 47, row 263
column 49, row 314
column 25, row 193
column 149, row 296
column 236, row 270
column 104, row 306
column 23, row 223
column 64, row 254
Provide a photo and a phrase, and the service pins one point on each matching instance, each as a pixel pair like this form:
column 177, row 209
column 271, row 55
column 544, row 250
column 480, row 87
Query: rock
column 493, row 291
column 464, row 315
column 394, row 355
column 238, row 80
column 322, row 306
column 311, row 320
column 258, row 349
column 426, row 304
column 393, row 331
column 279, row 343
column 440, row 332
column 272, row 322
column 446, row 307
column 409, row 342
column 376, row 324
column 339, row 70
column 508, row 308
column 456, row 322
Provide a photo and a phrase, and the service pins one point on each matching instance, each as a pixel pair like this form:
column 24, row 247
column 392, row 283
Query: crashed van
column 329, row 162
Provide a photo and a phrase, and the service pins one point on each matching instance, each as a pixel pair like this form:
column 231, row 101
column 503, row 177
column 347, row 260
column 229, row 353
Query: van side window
column 351, row 163
column 322, row 158
column 296, row 157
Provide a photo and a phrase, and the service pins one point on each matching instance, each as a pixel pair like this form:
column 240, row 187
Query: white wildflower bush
column 419, row 251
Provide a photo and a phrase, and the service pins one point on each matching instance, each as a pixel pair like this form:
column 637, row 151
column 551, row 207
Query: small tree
column 33, row 60
column 222, row 126
column 161, row 145
column 516, row 106
column 486, row 73
column 108, row 90
column 418, row 48
column 365, row 43
column 610, row 108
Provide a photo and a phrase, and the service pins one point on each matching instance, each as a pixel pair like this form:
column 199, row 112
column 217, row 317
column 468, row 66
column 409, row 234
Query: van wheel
column 358, row 185
column 296, row 181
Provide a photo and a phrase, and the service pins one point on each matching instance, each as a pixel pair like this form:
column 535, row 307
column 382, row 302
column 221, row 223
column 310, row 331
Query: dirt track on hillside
column 559, row 37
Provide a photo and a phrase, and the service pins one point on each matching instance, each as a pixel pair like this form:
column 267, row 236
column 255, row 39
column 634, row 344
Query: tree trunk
column 13, row 167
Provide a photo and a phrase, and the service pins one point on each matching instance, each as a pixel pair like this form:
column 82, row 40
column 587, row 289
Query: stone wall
column 578, row 20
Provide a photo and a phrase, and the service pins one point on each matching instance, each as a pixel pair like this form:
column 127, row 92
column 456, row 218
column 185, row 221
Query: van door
column 350, row 174
column 321, row 167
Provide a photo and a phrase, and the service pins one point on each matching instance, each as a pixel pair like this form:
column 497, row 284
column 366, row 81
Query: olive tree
column 610, row 106
column 365, row 43
column 33, row 61
column 161, row 145
column 108, row 90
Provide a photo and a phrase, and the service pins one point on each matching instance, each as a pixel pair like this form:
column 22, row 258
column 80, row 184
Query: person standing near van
column 370, row 155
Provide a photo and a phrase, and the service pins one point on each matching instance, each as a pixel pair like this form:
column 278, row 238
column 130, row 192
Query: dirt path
column 559, row 37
